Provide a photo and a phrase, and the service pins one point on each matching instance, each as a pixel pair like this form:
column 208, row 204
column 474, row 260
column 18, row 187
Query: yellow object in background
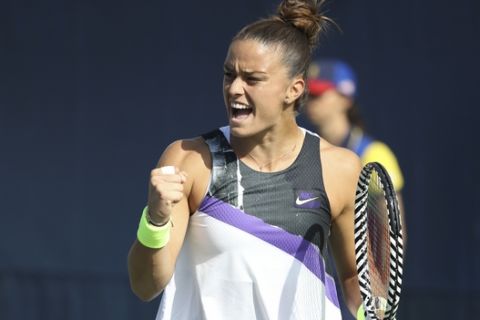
column 380, row 152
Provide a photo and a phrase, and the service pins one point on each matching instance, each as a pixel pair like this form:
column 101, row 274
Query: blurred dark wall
column 91, row 92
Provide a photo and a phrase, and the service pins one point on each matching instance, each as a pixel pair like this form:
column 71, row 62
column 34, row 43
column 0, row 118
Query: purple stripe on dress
column 292, row 244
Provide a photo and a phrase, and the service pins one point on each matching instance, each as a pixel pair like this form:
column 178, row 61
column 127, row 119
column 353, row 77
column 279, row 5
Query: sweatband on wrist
column 150, row 221
column 361, row 313
column 151, row 236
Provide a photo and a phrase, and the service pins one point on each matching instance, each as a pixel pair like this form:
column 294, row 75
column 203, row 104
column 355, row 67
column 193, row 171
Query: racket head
column 378, row 242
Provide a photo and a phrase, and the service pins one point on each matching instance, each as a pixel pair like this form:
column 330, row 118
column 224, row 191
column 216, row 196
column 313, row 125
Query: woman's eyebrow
column 247, row 72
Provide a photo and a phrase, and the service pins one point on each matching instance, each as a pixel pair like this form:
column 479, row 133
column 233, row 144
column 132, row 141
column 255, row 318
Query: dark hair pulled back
column 295, row 28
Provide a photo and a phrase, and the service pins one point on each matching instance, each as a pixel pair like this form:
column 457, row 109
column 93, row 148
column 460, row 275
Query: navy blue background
column 91, row 92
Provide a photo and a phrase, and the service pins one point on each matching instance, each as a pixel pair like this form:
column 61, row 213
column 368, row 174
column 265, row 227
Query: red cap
column 317, row 87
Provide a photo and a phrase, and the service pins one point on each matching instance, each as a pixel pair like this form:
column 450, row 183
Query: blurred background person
column 332, row 109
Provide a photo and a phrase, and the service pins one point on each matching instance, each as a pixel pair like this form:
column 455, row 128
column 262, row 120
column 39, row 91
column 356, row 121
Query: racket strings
column 378, row 242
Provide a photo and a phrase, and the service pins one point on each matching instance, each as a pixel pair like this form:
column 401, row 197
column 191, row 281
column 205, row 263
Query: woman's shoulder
column 341, row 168
column 186, row 152
column 339, row 160
column 191, row 156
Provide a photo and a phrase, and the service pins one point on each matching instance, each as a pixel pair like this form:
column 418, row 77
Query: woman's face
column 255, row 87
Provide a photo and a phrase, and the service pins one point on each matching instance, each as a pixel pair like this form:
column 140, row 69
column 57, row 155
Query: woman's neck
column 271, row 150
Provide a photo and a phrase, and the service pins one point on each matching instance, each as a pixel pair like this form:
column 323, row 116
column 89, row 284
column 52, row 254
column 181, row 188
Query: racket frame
column 361, row 244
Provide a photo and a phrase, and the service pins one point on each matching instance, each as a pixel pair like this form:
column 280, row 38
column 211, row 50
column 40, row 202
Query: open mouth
column 240, row 111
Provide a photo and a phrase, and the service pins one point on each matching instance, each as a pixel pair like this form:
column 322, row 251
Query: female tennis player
column 239, row 219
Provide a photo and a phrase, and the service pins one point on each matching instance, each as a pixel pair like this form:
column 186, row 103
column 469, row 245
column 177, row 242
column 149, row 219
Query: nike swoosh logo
column 299, row 202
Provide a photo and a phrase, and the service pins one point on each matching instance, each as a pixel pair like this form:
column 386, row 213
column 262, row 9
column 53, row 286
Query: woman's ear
column 296, row 89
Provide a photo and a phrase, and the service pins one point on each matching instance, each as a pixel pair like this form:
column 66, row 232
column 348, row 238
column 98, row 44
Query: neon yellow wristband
column 151, row 236
column 361, row 313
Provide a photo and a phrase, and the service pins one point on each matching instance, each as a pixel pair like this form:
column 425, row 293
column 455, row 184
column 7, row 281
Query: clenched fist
column 165, row 190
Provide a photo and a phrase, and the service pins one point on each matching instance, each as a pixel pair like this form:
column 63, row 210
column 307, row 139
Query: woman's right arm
column 341, row 169
column 171, row 196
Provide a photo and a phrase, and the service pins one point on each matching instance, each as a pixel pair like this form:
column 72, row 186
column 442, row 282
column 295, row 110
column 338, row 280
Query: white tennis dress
column 254, row 249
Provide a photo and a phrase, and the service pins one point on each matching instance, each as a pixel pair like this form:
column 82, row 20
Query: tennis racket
column 378, row 243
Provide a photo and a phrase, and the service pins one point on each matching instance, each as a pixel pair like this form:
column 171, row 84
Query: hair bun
column 305, row 16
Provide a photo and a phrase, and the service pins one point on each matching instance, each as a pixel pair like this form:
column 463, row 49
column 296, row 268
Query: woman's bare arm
column 341, row 171
column 150, row 270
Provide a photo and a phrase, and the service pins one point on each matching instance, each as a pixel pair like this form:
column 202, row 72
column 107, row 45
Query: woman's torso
column 255, row 248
